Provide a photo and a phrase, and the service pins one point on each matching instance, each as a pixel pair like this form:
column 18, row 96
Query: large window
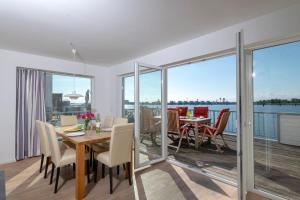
column 57, row 97
column 211, row 84
column 276, row 92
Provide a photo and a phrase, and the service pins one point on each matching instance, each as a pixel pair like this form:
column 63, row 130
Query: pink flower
column 87, row 115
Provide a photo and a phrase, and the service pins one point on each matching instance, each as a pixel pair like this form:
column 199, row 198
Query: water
column 265, row 117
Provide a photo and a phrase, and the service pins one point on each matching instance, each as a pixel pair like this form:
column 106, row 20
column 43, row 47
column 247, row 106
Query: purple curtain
column 30, row 106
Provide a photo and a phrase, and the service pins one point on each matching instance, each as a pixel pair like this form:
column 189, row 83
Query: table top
column 190, row 119
column 89, row 137
column 195, row 119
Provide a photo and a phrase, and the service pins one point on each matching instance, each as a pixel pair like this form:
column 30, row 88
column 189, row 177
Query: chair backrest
column 108, row 122
column 53, row 143
column 147, row 119
column 120, row 120
column 44, row 141
column 201, row 111
column 68, row 120
column 173, row 121
column 121, row 144
column 222, row 120
column 182, row 110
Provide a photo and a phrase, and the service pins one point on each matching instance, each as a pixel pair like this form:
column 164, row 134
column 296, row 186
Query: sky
column 208, row 80
column 65, row 84
column 276, row 75
column 277, row 72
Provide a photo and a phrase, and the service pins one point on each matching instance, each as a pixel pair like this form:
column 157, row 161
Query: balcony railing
column 265, row 123
column 54, row 117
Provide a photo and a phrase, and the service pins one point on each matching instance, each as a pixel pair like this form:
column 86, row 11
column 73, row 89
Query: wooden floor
column 23, row 181
column 165, row 181
column 161, row 181
column 282, row 177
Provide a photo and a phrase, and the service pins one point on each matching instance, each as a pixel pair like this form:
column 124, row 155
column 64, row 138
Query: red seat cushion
column 182, row 110
column 201, row 111
column 220, row 116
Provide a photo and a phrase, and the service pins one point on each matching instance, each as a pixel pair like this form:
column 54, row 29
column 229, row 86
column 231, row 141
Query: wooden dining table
column 196, row 121
column 90, row 137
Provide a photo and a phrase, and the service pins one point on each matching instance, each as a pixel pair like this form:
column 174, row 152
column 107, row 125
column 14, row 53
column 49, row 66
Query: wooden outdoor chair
column 149, row 126
column 175, row 129
column 217, row 129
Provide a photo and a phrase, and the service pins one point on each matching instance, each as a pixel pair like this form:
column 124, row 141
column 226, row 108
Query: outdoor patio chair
column 217, row 129
column 182, row 110
column 149, row 126
column 201, row 112
column 175, row 129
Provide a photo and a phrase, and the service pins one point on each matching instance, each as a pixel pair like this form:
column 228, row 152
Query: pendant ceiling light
column 74, row 95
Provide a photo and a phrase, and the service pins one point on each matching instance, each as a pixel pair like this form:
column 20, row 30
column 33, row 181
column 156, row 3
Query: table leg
column 196, row 136
column 80, row 162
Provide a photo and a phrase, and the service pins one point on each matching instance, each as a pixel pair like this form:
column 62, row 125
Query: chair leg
column 91, row 157
column 129, row 172
column 57, row 177
column 118, row 170
column 52, row 172
column 88, row 171
column 74, row 167
column 110, row 180
column 95, row 170
column 46, row 169
column 103, row 170
column 179, row 143
column 225, row 144
column 188, row 140
column 213, row 138
column 124, row 167
column 42, row 161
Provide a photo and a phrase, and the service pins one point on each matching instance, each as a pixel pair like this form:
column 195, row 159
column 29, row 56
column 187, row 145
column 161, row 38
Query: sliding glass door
column 149, row 114
column 276, row 120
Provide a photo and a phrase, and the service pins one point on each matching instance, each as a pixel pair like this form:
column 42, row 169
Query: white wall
column 280, row 24
column 9, row 60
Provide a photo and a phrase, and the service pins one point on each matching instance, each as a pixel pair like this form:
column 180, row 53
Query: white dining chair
column 119, row 151
column 68, row 120
column 107, row 122
column 44, row 145
column 119, row 120
column 61, row 156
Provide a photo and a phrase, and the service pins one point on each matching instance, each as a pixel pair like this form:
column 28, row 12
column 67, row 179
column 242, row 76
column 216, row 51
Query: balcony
column 275, row 159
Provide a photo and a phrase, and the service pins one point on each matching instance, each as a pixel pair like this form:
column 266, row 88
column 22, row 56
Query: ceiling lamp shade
column 73, row 95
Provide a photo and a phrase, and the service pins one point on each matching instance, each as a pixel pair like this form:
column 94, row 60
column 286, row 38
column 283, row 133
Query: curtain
column 30, row 106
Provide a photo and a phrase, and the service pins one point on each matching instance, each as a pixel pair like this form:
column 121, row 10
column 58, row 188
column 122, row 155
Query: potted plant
column 87, row 117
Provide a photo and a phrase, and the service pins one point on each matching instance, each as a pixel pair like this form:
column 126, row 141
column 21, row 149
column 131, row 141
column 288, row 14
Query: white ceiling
column 107, row 32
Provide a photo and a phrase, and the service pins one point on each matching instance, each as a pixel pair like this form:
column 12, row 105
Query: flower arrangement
column 87, row 117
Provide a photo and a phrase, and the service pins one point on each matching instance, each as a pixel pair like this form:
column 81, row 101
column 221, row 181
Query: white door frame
column 164, row 149
column 241, row 114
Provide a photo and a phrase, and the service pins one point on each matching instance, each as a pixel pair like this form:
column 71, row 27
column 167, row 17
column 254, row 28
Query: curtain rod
column 57, row 72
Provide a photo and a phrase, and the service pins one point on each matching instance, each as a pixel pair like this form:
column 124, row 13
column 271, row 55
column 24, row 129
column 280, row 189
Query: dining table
column 90, row 137
column 195, row 121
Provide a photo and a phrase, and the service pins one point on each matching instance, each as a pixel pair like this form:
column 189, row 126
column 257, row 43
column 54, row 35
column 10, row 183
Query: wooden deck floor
column 162, row 181
column 282, row 176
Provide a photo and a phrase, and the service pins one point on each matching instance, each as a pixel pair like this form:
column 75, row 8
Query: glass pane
column 276, row 89
column 150, row 115
column 128, row 98
column 201, row 90
column 58, row 101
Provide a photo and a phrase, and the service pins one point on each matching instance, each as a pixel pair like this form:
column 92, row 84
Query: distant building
column 57, row 102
